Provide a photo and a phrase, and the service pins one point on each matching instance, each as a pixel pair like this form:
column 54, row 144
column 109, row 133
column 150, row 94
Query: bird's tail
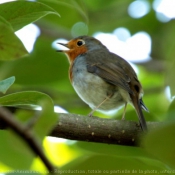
column 143, row 105
column 139, row 105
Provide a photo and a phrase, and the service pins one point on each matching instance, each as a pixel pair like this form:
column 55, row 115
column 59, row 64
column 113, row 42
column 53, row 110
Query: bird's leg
column 123, row 116
column 108, row 97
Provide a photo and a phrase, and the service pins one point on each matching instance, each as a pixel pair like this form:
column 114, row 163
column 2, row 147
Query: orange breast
column 72, row 54
column 75, row 52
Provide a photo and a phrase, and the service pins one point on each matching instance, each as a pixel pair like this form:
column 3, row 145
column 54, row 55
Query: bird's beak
column 65, row 45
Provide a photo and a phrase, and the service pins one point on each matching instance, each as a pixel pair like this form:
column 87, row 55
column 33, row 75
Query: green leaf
column 5, row 84
column 28, row 98
column 18, row 155
column 10, row 45
column 161, row 143
column 124, row 151
column 103, row 164
column 42, row 127
column 47, row 119
column 126, row 157
column 21, row 13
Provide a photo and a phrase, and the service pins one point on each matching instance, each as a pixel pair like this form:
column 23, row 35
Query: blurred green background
column 46, row 70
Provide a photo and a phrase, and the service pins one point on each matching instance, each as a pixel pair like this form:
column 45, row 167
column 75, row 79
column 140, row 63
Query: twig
column 94, row 129
column 26, row 135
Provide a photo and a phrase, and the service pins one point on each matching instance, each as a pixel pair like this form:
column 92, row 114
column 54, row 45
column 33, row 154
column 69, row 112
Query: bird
column 102, row 79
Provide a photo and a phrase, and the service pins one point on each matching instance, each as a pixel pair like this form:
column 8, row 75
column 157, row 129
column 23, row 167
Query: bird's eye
column 80, row 43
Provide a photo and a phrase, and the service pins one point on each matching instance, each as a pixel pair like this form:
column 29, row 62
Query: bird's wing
column 111, row 68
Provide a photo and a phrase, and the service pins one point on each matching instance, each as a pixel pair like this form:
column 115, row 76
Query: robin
column 102, row 79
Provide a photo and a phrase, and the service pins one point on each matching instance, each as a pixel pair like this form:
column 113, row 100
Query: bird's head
column 80, row 45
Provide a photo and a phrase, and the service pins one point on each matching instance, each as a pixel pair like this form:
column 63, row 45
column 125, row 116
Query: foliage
column 42, row 75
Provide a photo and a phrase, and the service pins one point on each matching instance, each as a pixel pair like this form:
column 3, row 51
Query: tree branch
column 25, row 134
column 94, row 129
